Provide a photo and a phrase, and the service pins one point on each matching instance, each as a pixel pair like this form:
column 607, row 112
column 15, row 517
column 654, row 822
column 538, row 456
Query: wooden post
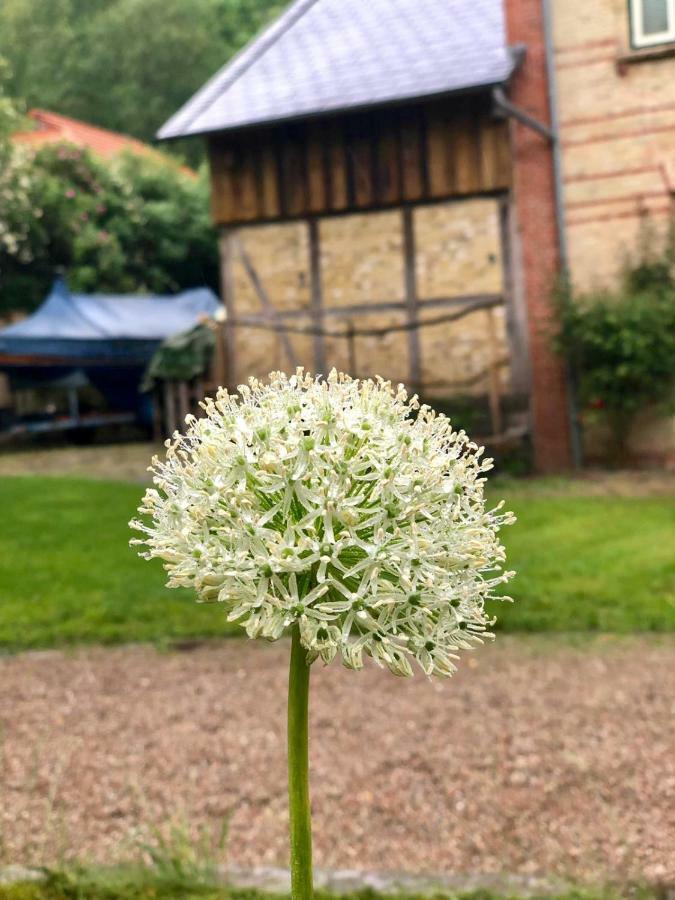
column 227, row 294
column 198, row 393
column 157, row 425
column 351, row 349
column 493, row 375
column 316, row 293
column 410, row 285
column 516, row 322
column 217, row 373
column 183, row 402
column 169, row 408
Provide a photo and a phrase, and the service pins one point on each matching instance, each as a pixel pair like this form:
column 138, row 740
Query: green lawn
column 591, row 563
column 67, row 574
column 146, row 885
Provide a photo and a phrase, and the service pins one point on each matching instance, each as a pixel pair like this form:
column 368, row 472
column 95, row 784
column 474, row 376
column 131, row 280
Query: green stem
column 298, row 772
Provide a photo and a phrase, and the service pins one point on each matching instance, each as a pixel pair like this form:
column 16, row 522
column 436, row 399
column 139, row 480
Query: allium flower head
column 339, row 505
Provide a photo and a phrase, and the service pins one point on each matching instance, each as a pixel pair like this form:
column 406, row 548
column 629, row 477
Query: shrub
column 134, row 225
column 621, row 343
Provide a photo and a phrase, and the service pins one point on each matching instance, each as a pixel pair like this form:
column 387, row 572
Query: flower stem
column 298, row 772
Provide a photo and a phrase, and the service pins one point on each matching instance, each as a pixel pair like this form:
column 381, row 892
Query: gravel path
column 540, row 757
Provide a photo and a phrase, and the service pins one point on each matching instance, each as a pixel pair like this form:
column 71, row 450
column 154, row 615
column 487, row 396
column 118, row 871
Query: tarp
column 109, row 339
column 102, row 327
column 181, row 357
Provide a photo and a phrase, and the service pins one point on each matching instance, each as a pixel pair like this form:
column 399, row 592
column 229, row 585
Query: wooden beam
column 336, row 162
column 169, row 408
column 269, row 307
column 412, row 148
column 293, row 172
column 516, row 320
column 474, row 301
column 360, row 164
column 410, row 288
column 493, row 385
column 317, row 199
column 316, row 293
column 269, row 182
column 227, row 295
column 253, row 321
column 246, row 186
column 388, row 174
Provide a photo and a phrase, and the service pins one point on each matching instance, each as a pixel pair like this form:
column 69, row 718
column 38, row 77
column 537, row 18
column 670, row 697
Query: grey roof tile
column 322, row 56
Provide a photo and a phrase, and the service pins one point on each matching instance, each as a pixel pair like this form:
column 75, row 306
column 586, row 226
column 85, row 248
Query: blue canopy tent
column 104, row 339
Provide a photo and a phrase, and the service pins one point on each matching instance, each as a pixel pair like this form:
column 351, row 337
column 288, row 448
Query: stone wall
column 457, row 253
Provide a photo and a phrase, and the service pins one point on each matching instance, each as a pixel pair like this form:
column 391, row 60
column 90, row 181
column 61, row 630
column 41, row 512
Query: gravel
column 542, row 756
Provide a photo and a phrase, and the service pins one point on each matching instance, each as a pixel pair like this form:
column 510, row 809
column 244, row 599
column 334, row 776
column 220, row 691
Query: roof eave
column 167, row 134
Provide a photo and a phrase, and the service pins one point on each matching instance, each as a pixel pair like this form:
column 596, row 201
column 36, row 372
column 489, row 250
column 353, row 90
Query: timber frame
column 398, row 158
column 360, row 161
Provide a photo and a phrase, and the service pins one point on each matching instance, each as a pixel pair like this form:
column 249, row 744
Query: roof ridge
column 55, row 118
column 235, row 67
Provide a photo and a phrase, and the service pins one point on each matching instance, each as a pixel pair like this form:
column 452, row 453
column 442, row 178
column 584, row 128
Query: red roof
column 51, row 128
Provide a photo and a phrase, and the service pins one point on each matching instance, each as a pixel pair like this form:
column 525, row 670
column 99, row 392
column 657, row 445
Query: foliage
column 122, row 64
column 621, row 343
column 178, row 855
column 10, row 115
column 144, row 884
column 584, row 563
column 13, row 195
column 134, row 225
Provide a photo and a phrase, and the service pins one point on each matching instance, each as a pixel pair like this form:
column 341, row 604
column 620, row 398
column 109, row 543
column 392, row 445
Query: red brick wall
column 538, row 239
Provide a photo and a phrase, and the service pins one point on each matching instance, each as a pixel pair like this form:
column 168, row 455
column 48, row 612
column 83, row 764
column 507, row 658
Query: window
column 652, row 22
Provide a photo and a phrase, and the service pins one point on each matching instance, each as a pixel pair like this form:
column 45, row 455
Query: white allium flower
column 327, row 504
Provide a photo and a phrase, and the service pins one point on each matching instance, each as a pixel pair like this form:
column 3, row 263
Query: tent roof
column 323, row 56
column 75, row 325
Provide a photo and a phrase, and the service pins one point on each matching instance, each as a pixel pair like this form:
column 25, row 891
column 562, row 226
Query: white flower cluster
column 16, row 211
column 330, row 504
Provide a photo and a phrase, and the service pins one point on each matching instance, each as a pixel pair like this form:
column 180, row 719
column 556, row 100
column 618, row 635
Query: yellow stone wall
column 618, row 132
column 458, row 253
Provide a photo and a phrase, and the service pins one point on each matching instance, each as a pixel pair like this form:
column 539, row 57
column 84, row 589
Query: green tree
column 137, row 225
column 122, row 64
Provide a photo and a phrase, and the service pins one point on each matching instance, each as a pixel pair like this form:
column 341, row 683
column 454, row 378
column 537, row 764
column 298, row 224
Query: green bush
column 621, row 343
column 137, row 224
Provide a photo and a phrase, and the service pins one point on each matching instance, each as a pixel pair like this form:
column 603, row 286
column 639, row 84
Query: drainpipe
column 559, row 200
column 551, row 77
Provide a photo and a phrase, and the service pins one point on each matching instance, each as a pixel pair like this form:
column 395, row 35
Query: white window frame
column 638, row 38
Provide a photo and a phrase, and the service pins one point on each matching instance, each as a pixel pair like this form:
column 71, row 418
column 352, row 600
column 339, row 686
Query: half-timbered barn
column 383, row 180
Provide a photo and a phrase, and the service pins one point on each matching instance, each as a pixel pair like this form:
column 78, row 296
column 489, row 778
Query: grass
column 591, row 564
column 67, row 574
column 139, row 884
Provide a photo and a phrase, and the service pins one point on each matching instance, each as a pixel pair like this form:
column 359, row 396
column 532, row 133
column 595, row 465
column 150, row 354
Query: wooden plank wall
column 358, row 162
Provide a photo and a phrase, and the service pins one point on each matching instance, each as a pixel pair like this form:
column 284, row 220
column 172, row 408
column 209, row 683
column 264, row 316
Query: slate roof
column 322, row 56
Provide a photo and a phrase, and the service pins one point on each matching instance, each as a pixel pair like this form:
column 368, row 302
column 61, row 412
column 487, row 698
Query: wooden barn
column 375, row 167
